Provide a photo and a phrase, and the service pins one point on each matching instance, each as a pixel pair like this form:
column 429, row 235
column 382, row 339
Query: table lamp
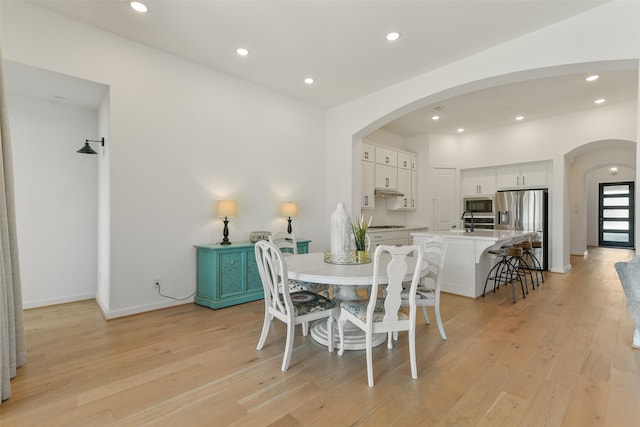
column 224, row 209
column 289, row 209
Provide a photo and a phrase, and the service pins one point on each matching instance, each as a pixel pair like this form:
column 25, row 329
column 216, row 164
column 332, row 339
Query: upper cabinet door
column 386, row 177
column 367, row 152
column 478, row 182
column 386, row 157
column 404, row 161
column 368, row 183
column 532, row 175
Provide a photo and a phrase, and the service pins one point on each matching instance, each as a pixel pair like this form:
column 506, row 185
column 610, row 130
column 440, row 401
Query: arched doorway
column 590, row 166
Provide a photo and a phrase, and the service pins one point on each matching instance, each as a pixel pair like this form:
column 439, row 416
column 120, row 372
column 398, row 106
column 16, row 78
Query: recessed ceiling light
column 460, row 130
column 138, row 7
column 242, row 51
column 435, row 118
column 309, row 80
column 599, row 101
column 393, row 36
column 520, row 118
column 592, row 78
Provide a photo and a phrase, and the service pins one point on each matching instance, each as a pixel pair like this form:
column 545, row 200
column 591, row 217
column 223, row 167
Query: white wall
column 563, row 46
column 56, row 200
column 181, row 137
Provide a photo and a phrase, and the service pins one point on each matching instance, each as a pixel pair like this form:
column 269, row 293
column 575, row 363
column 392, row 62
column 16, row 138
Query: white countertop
column 491, row 235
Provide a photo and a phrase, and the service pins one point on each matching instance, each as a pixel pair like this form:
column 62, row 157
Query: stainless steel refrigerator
column 526, row 210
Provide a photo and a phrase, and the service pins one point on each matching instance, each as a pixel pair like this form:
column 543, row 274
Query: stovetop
column 387, row 226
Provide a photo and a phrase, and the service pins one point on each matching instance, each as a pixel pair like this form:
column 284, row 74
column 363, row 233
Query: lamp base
column 289, row 229
column 225, row 232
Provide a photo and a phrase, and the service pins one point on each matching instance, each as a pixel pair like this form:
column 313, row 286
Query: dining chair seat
column 288, row 245
column 359, row 310
column 305, row 302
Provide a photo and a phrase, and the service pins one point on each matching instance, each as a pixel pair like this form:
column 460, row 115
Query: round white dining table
column 345, row 278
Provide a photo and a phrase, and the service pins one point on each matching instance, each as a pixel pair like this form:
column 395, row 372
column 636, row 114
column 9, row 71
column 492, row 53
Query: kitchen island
column 468, row 262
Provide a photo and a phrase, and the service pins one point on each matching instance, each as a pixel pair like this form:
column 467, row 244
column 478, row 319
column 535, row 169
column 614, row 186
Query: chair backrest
column 274, row 277
column 434, row 252
column 286, row 242
column 396, row 270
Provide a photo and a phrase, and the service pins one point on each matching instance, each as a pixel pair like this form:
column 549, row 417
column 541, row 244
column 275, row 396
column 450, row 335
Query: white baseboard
column 56, row 301
column 108, row 314
column 113, row 314
column 565, row 269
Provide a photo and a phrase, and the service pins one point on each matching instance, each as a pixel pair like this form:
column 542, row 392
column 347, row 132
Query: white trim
column 56, row 301
column 143, row 308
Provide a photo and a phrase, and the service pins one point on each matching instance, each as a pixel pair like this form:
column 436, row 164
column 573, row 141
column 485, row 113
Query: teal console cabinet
column 228, row 274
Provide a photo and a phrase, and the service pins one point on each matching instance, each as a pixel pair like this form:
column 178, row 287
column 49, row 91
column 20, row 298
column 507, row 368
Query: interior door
column 616, row 225
column 444, row 198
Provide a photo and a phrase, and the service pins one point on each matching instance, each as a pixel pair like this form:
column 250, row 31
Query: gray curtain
column 12, row 346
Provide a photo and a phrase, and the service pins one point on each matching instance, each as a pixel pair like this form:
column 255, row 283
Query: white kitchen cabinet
column 404, row 186
column 367, row 192
column 386, row 177
column 532, row 175
column 478, row 182
column 397, row 238
column 386, row 157
column 404, row 160
column 414, row 189
column 367, row 152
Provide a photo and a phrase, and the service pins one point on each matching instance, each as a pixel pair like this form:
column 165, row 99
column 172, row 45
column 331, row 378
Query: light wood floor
column 562, row 357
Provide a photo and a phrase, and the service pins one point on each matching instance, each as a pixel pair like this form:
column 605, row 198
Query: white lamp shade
column 226, row 208
column 289, row 209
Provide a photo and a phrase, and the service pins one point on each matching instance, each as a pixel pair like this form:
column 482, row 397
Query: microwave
column 480, row 206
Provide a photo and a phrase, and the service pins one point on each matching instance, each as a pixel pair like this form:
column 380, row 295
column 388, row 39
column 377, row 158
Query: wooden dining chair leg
column 425, row 315
column 412, row 354
column 369, row 351
column 443, row 335
column 341, row 323
column 265, row 330
column 288, row 349
column 332, row 332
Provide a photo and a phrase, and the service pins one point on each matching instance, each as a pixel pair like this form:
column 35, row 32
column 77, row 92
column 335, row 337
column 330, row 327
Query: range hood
column 387, row 193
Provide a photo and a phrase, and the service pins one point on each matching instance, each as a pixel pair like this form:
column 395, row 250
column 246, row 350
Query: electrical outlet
column 156, row 282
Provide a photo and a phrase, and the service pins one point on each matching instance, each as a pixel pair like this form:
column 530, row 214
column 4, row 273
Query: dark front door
column 616, row 225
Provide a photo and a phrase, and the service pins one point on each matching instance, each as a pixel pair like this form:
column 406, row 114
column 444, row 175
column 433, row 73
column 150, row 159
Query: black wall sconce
column 87, row 148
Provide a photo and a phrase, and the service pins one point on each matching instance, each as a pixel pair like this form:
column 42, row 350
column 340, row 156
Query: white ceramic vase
column 340, row 231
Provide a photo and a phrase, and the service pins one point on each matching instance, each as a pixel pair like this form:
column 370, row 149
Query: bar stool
column 497, row 272
column 537, row 244
column 507, row 270
column 527, row 262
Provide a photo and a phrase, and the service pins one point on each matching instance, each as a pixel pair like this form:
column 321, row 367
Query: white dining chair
column 428, row 292
column 288, row 245
column 383, row 315
column 291, row 308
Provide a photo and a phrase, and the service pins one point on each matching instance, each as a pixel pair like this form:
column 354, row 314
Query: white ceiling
column 342, row 45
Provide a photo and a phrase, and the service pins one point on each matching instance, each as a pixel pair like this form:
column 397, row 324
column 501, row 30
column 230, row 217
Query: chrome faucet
column 468, row 229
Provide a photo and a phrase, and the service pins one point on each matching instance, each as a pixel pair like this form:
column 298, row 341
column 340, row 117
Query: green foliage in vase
column 360, row 233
